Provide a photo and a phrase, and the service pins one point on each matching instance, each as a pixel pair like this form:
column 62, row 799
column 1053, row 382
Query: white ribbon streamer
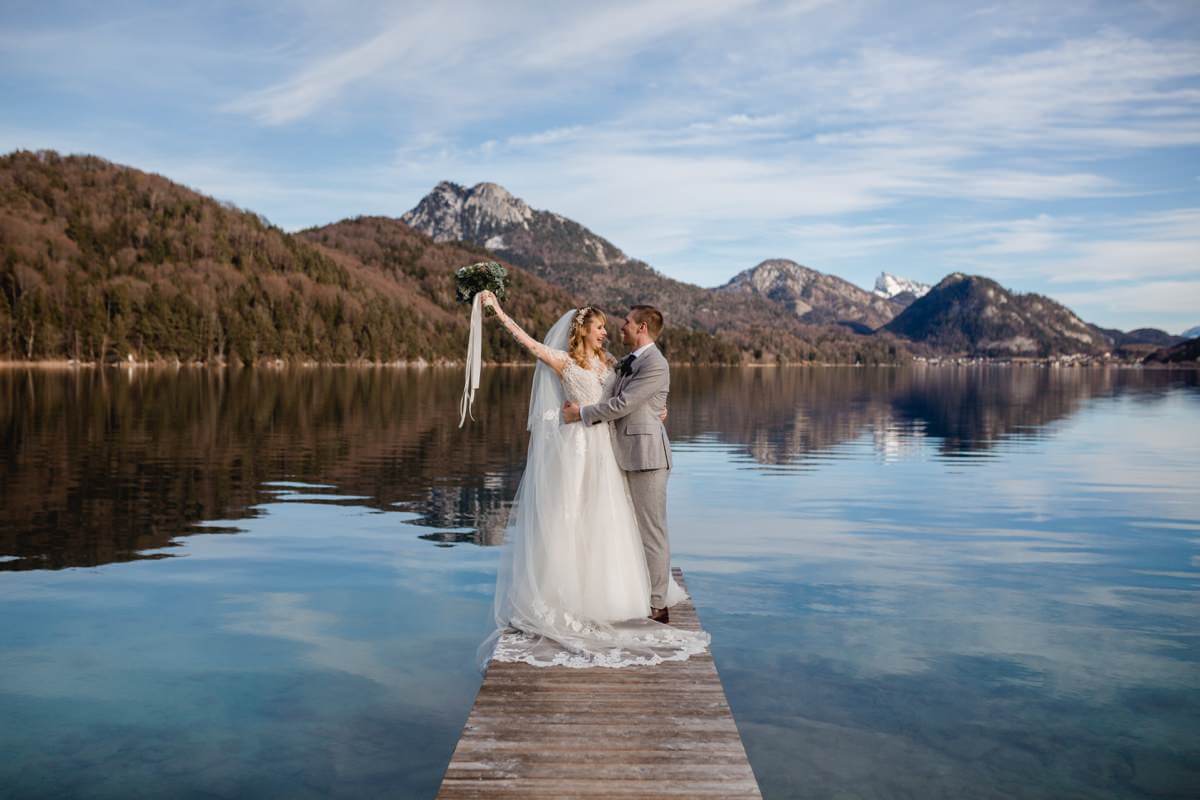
column 474, row 361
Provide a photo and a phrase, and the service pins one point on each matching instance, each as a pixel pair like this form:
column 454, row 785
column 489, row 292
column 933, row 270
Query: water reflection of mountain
column 104, row 466
column 781, row 416
column 969, row 410
column 778, row 414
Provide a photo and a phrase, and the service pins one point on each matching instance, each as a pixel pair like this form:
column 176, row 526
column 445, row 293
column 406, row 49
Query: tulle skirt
column 572, row 587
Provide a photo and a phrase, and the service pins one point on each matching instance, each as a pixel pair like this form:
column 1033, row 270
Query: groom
column 640, row 441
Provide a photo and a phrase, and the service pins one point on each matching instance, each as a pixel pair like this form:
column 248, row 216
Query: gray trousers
column 648, row 488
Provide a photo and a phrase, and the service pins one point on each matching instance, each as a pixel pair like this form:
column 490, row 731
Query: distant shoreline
column 280, row 364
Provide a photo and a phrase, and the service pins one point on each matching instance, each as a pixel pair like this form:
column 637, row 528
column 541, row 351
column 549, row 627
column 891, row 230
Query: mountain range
column 105, row 262
column 962, row 315
column 589, row 266
column 569, row 255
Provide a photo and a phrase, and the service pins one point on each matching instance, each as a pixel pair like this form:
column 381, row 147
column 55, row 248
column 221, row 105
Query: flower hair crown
column 579, row 315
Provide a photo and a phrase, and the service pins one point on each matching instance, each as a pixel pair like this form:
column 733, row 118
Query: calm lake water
column 921, row 582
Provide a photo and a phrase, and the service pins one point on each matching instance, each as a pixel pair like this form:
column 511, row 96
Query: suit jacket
column 639, row 438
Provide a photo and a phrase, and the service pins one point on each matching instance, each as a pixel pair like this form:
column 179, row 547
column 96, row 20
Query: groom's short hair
column 651, row 316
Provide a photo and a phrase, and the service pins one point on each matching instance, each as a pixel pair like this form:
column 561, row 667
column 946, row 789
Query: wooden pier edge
column 647, row 732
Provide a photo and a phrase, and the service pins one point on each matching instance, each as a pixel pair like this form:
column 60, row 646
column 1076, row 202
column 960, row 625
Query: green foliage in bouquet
column 485, row 275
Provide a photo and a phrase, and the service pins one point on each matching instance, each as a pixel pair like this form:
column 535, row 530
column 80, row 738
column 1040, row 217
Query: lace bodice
column 587, row 386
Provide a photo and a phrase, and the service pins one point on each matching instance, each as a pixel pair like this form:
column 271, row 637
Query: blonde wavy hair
column 577, row 347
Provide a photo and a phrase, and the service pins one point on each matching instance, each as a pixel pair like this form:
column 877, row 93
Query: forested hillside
column 974, row 315
column 391, row 247
column 100, row 261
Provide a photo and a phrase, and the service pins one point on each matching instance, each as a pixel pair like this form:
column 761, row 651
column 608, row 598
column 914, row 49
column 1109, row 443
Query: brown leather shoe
column 662, row 615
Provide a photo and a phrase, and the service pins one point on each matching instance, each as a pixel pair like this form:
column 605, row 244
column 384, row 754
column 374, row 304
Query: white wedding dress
column 572, row 587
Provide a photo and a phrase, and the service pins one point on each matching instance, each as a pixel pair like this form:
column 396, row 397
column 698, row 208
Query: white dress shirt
column 638, row 353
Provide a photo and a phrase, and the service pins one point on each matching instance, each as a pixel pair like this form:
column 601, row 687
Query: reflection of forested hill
column 100, row 466
column 779, row 415
column 965, row 410
column 104, row 466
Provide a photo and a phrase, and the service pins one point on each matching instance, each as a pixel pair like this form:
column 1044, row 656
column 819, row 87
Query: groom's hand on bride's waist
column 570, row 412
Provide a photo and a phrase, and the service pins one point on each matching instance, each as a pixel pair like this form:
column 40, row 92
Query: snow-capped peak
column 888, row 285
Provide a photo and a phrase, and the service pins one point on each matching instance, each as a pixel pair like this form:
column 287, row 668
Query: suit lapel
column 633, row 368
column 624, row 379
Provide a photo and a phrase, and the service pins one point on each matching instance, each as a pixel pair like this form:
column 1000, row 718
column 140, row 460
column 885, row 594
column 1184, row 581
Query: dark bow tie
column 625, row 365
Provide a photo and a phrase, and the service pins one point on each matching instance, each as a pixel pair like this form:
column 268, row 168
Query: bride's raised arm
column 555, row 359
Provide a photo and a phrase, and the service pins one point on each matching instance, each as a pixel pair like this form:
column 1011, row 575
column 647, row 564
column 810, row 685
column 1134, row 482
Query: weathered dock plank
column 662, row 731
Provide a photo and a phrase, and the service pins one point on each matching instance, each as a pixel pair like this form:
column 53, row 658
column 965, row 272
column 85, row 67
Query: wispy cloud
column 411, row 44
column 427, row 52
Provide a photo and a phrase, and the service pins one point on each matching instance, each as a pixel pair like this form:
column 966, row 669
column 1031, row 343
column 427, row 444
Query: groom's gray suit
column 644, row 452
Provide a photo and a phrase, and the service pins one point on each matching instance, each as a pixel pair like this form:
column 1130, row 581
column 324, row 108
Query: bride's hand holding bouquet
column 489, row 300
column 472, row 284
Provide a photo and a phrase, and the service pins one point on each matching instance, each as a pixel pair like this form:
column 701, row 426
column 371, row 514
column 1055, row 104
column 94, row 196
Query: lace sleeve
column 555, row 359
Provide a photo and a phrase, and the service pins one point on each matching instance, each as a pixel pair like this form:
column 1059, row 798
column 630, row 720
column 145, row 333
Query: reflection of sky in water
column 1022, row 626
column 322, row 651
column 952, row 584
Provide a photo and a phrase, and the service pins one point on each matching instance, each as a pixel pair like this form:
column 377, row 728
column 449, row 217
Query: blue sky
column 1055, row 150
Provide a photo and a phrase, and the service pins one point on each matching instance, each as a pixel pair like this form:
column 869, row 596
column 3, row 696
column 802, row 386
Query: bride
column 572, row 588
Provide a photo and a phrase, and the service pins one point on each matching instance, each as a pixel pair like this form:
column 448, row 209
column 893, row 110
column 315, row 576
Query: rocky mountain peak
column 487, row 214
column 813, row 296
column 775, row 274
column 455, row 213
column 493, row 202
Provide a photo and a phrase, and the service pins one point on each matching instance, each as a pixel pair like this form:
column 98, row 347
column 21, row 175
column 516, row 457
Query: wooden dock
column 661, row 731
